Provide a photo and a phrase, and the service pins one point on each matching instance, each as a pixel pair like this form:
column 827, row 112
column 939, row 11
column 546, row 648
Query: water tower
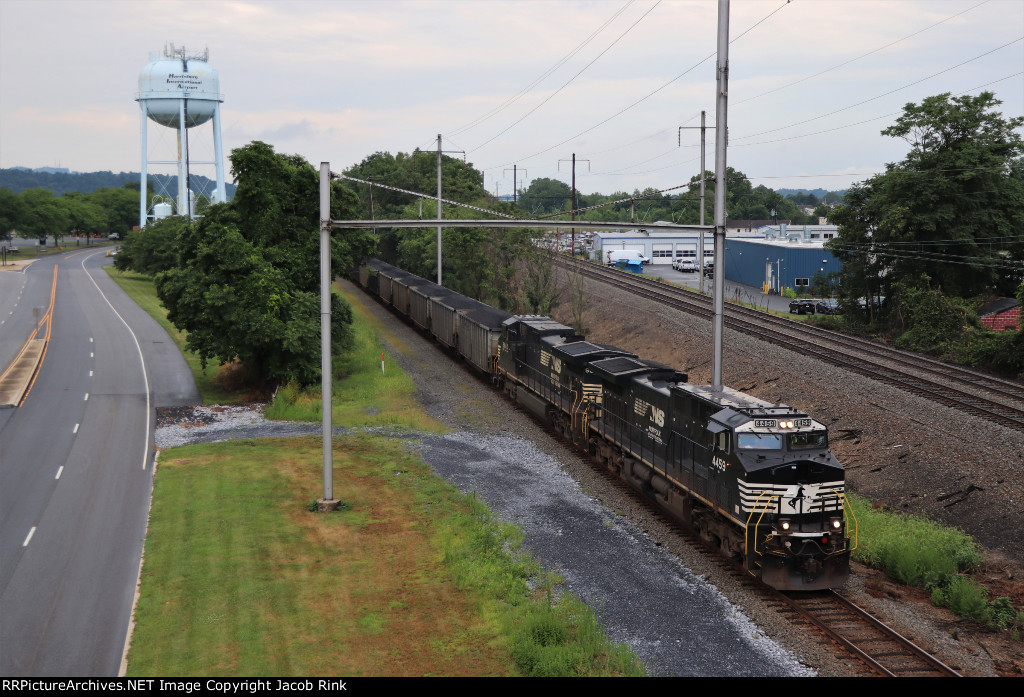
column 180, row 90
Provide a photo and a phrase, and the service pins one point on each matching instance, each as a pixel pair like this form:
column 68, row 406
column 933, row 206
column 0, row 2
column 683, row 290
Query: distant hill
column 17, row 179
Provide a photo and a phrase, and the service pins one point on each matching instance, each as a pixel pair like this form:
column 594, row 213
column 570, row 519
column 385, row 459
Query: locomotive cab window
column 722, row 441
column 720, row 436
column 807, row 441
column 760, row 441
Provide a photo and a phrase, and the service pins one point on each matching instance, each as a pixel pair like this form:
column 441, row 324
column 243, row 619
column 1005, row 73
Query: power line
column 642, row 99
column 858, row 123
column 570, row 80
column 863, row 55
column 511, row 100
column 885, row 94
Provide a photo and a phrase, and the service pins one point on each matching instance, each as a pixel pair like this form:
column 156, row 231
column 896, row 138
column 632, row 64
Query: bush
column 565, row 639
column 930, row 320
column 1001, row 352
column 1003, row 613
column 152, row 249
column 966, row 598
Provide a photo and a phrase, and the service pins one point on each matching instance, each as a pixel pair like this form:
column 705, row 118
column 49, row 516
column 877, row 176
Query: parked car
column 876, row 302
column 827, row 307
column 626, row 255
column 801, row 307
column 685, row 265
column 709, row 269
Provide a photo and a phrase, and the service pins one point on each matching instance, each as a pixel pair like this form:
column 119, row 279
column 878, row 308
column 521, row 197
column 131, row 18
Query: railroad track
column 987, row 396
column 880, row 650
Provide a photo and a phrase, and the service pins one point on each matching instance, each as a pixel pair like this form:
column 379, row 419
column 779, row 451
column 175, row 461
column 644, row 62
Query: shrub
column 968, row 599
column 1003, row 613
column 930, row 320
column 1002, row 352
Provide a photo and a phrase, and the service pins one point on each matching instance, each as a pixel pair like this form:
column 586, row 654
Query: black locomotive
column 755, row 478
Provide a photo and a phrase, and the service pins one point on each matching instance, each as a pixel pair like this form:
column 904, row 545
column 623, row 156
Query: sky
column 525, row 83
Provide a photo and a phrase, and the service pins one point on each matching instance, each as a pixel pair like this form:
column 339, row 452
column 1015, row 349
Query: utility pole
column 439, row 209
column 700, row 240
column 439, row 151
column 572, row 245
column 515, row 187
column 721, row 138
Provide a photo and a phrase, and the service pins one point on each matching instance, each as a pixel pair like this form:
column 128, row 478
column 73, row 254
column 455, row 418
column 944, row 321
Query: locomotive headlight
column 837, row 523
column 784, row 524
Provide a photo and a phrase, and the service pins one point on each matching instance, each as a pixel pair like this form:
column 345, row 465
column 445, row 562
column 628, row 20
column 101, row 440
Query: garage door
column 661, row 253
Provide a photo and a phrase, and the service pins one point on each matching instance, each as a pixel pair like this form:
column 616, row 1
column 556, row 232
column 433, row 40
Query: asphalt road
column 76, row 466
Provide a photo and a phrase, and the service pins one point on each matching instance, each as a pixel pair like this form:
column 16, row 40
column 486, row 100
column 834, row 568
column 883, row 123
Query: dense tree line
column 743, row 202
column 39, row 213
column 243, row 281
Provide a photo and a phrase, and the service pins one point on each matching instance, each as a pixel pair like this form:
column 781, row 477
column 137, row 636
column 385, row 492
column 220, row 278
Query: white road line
column 59, row 471
column 29, row 536
column 142, row 360
column 90, row 373
column 92, row 355
column 75, row 429
column 86, row 397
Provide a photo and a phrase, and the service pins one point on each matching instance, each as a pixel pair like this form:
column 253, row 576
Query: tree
column 12, row 213
column 121, row 206
column 44, row 215
column 949, row 209
column 152, row 249
column 247, row 281
column 545, row 196
column 84, row 217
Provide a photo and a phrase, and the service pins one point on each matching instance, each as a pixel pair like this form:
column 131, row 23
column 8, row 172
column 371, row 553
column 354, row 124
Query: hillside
column 17, row 179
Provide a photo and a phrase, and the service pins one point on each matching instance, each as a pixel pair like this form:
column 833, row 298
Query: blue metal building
column 777, row 264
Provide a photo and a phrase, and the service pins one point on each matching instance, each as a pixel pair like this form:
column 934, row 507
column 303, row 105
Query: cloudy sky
column 812, row 82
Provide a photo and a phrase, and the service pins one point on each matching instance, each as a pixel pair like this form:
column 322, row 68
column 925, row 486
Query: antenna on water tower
column 180, row 90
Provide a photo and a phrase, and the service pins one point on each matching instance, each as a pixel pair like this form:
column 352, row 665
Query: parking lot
column 691, row 279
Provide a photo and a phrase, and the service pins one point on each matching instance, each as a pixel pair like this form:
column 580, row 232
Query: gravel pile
column 186, row 425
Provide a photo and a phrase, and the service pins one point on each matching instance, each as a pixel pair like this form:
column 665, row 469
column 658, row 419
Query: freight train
column 754, row 478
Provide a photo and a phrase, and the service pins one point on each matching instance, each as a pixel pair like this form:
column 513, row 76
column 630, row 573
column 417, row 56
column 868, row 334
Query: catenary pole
column 700, row 246
column 439, row 209
column 325, row 326
column 721, row 140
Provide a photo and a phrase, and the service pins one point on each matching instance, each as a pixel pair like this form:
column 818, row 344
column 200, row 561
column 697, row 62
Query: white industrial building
column 663, row 247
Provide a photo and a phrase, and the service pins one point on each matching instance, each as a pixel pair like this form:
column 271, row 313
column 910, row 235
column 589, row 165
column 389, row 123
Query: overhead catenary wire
column 568, row 82
column 513, row 99
column 642, row 99
column 884, row 94
column 863, row 55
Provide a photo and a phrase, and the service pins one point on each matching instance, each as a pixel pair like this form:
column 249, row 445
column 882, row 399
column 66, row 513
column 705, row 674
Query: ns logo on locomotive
column 755, row 478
